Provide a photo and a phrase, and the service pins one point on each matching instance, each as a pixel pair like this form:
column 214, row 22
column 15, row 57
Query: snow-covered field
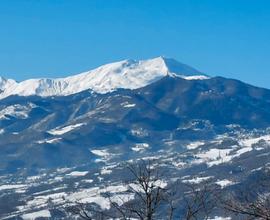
column 73, row 184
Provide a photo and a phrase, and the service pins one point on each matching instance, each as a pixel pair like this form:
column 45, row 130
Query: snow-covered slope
column 127, row 74
column 6, row 83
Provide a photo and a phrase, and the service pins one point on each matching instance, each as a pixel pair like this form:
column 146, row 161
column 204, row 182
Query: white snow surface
column 101, row 153
column 197, row 180
column 220, row 218
column 194, row 145
column 126, row 74
column 63, row 130
column 224, row 183
column 215, row 156
column 248, row 142
column 38, row 214
column 5, row 83
column 9, row 187
column 77, row 173
column 140, row 147
column 49, row 141
column 129, row 105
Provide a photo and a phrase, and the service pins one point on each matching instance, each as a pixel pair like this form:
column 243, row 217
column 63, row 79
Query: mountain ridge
column 126, row 74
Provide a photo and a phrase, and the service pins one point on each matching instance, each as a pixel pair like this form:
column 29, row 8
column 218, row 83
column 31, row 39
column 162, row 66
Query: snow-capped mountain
column 127, row 74
column 198, row 128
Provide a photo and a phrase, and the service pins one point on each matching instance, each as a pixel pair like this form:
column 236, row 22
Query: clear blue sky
column 55, row 38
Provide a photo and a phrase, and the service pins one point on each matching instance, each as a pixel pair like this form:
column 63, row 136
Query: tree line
column 154, row 199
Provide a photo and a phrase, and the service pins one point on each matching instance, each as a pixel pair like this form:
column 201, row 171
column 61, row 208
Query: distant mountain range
column 127, row 110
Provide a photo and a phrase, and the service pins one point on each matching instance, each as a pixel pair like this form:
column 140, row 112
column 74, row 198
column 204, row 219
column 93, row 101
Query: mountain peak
column 125, row 74
column 5, row 83
column 178, row 68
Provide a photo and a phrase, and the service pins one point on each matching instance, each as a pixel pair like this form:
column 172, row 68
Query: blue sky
column 56, row 38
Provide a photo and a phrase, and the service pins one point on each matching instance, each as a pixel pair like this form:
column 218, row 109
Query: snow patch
column 129, row 105
column 105, row 171
column 198, row 77
column 197, row 180
column 139, row 132
column 9, row 187
column 194, row 145
column 39, row 214
column 103, row 154
column 63, row 130
column 77, row 173
column 100, row 153
column 224, row 183
column 220, row 218
column 140, row 147
column 215, row 156
column 49, row 141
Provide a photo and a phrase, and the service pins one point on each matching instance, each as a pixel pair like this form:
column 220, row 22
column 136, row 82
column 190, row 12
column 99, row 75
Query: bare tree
column 86, row 211
column 253, row 209
column 149, row 189
column 153, row 194
column 80, row 210
column 252, row 201
column 153, row 197
column 200, row 201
